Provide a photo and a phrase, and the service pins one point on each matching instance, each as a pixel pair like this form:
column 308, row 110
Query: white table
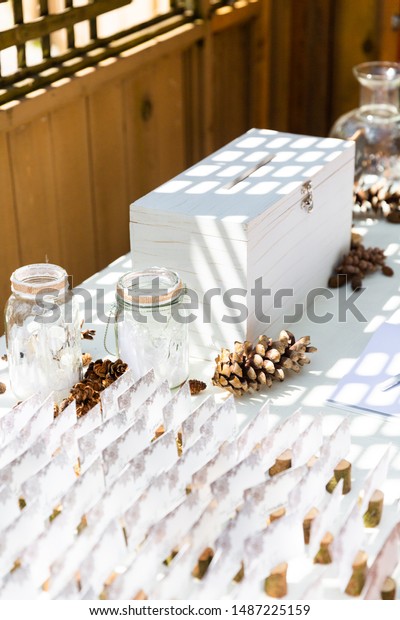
column 339, row 344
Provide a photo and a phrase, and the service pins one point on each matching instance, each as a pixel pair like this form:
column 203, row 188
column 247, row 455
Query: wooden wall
column 73, row 157
column 314, row 45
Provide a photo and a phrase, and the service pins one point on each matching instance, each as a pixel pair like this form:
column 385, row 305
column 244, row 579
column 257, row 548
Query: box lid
column 250, row 174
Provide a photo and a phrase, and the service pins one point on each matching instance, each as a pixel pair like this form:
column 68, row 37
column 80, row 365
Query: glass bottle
column 42, row 332
column 375, row 125
column 151, row 325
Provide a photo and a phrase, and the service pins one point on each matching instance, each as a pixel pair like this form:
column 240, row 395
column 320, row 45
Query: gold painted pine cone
column 250, row 367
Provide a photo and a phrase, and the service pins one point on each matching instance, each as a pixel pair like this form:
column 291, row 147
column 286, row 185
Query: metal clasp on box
column 307, row 201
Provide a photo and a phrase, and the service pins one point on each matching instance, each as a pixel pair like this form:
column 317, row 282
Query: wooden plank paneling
column 169, row 119
column 9, row 247
column 311, row 65
column 356, row 40
column 35, row 197
column 141, row 133
column 280, row 64
column 108, row 171
column 74, row 190
column 155, row 144
column 389, row 48
column 231, row 96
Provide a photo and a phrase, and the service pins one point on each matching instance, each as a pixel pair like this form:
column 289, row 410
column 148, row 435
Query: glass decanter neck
column 379, row 82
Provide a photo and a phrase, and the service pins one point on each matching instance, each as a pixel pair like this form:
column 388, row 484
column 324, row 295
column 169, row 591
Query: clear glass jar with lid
column 42, row 332
column 151, row 324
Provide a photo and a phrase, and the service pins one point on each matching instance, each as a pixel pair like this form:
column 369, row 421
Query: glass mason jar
column 42, row 332
column 151, row 325
column 375, row 125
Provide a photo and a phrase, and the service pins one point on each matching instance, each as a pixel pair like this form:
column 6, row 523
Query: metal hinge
column 307, row 201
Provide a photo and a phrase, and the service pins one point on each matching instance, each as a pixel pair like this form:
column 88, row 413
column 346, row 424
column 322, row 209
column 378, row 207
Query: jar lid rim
column 35, row 278
column 129, row 291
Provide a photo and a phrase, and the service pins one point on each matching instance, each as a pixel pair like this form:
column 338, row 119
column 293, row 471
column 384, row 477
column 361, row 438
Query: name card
column 104, row 557
column 308, row 443
column 192, row 425
column 228, row 489
column 254, row 432
column 9, row 509
column 383, row 566
column 92, row 444
column 281, row 541
column 375, row 479
column 178, row 409
column 127, row 446
column 12, row 423
column 346, row 545
column 19, row 585
column 280, row 438
column 36, row 424
column 51, row 482
column 223, row 461
column 221, row 426
column 88, row 422
column 326, row 519
column 109, row 396
column 87, row 490
column 18, row 535
column 137, row 393
column 274, row 492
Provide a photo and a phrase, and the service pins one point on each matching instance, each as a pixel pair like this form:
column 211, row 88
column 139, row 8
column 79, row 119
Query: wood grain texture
column 35, row 195
column 108, row 171
column 10, row 257
column 74, row 190
column 231, row 79
column 389, row 48
column 355, row 40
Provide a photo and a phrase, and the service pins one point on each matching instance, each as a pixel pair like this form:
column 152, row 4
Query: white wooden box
column 233, row 218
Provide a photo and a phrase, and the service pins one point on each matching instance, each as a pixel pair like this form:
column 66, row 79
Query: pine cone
column 250, row 367
column 196, row 386
column 99, row 375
